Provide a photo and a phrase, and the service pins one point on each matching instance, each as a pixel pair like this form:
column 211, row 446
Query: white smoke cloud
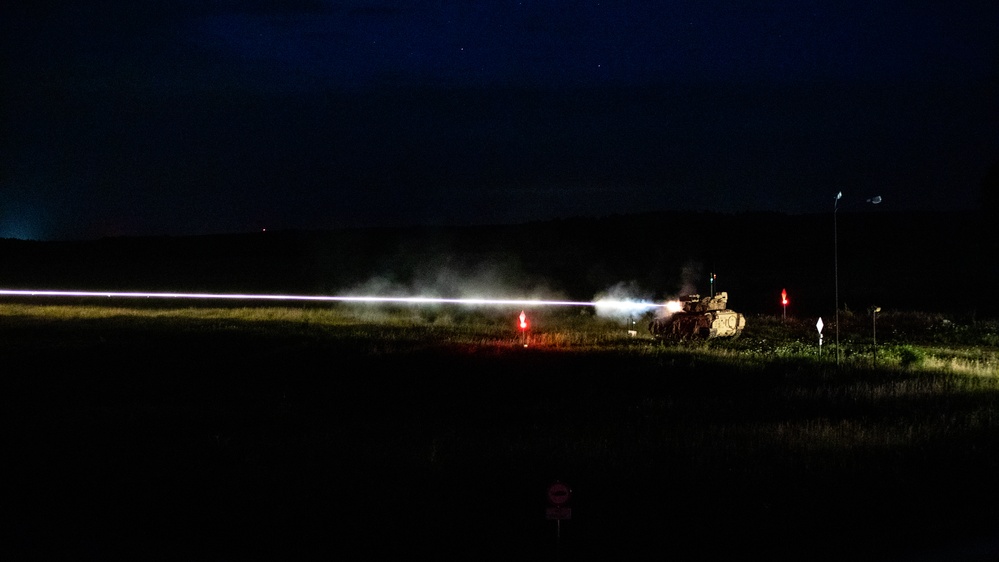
column 614, row 302
column 447, row 277
column 691, row 277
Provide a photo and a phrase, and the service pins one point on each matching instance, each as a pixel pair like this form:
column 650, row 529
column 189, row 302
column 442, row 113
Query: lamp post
column 874, row 201
column 874, row 329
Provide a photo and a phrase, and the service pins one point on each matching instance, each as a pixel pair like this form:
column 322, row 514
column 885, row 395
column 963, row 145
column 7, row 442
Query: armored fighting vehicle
column 699, row 319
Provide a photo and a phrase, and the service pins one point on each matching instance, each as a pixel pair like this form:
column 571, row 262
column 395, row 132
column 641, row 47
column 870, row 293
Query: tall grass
column 905, row 341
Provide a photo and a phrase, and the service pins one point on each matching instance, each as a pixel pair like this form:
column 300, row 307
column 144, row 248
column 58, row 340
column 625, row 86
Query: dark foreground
column 149, row 444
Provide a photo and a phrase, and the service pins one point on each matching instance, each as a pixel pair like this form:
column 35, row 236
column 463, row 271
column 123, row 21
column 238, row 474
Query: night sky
column 193, row 117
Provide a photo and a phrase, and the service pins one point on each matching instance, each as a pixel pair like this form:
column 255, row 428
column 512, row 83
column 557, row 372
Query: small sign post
column 819, row 326
column 559, row 494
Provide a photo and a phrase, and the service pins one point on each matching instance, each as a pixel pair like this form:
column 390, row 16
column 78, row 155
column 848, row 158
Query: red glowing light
column 783, row 297
column 523, row 320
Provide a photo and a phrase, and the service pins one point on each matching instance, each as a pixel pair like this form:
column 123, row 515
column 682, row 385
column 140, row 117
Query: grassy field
column 148, row 430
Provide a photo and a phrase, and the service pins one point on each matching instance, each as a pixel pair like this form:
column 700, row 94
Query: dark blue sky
column 191, row 117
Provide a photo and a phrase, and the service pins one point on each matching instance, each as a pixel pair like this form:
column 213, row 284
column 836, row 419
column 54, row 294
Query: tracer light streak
column 608, row 304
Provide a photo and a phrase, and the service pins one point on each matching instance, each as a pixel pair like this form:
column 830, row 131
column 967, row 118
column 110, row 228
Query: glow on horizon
column 609, row 304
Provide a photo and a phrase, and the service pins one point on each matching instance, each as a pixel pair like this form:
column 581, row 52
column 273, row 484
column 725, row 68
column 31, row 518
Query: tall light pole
column 874, row 201
column 874, row 329
column 836, row 269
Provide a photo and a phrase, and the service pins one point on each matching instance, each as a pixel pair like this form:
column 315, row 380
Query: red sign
column 559, row 493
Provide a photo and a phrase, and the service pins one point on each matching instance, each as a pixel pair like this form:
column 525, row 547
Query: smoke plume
column 624, row 291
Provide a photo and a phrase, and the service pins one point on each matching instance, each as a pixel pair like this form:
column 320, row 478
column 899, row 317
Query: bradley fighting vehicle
column 699, row 319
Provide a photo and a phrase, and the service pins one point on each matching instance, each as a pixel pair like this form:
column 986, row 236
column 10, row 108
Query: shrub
column 909, row 356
